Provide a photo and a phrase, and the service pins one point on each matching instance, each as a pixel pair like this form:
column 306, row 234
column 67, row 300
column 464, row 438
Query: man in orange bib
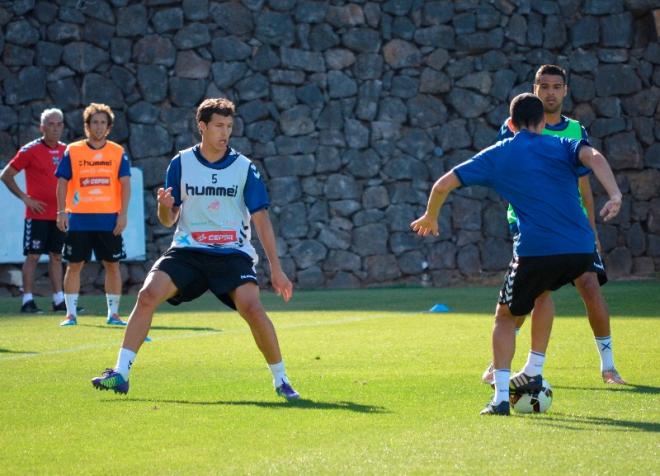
column 93, row 191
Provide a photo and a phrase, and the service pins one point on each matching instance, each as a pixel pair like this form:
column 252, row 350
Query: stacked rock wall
column 351, row 110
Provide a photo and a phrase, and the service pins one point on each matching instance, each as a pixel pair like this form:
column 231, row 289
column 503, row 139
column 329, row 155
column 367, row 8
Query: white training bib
column 213, row 213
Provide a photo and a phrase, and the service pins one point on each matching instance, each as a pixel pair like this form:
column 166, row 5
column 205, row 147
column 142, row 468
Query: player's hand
column 425, row 225
column 281, row 284
column 62, row 222
column 121, row 224
column 34, row 205
column 611, row 208
column 164, row 197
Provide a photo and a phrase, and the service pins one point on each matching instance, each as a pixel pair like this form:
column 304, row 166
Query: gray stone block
column 290, row 165
column 362, row 40
column 132, row 20
column 401, row 54
column 323, row 37
column 83, row 57
column 340, row 85
column 467, row 103
column 186, row 92
column 311, row 12
column 48, row 54
column 275, row 28
column 345, row 15
column 232, row 17
column 341, row 260
column 426, row 111
column 253, row 87
column 154, row 49
column 308, row 253
column 170, row 19
column 296, row 121
column 382, row 268
column 293, row 58
column 192, row 35
column 438, row 12
column 284, row 190
column 293, row 221
column 149, row 140
column 467, row 260
column 585, row 32
column 356, row 133
column 21, row 33
column 339, row 58
column 341, row 187
column 481, row 41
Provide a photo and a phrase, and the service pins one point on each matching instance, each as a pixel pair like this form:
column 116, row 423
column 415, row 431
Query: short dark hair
column 552, row 70
column 526, row 110
column 211, row 106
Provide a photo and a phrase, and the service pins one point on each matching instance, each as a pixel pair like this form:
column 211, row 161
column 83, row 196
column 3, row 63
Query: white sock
column 501, row 385
column 27, row 297
column 279, row 373
column 534, row 365
column 604, row 345
column 113, row 303
column 125, row 361
column 71, row 301
column 58, row 297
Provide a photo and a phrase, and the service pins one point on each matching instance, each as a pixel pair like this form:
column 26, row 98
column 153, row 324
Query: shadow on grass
column 10, row 351
column 304, row 404
column 562, row 420
column 617, row 388
column 156, row 328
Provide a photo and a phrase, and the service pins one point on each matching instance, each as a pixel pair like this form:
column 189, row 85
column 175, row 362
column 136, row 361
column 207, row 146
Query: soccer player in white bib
column 211, row 192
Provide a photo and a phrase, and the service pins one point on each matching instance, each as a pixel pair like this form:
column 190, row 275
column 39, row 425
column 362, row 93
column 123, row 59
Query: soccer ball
column 537, row 402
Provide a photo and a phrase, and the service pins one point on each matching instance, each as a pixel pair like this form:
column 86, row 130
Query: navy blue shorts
column 194, row 272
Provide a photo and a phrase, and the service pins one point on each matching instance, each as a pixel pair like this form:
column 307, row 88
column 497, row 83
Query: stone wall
column 351, row 111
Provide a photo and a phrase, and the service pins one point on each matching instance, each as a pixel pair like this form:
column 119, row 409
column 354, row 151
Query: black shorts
column 530, row 276
column 78, row 246
column 598, row 267
column 42, row 236
column 194, row 272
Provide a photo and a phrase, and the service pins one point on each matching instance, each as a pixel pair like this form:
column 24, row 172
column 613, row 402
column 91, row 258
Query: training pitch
column 387, row 389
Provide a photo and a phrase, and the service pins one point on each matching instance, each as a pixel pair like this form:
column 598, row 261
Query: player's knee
column 55, row 258
column 251, row 310
column 588, row 286
column 149, row 297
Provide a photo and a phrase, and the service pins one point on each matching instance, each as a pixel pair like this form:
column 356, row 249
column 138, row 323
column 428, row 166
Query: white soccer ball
column 537, row 402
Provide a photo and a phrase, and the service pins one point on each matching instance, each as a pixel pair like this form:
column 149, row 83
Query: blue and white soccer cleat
column 111, row 380
column 501, row 408
column 114, row 320
column 286, row 390
column 69, row 321
column 523, row 383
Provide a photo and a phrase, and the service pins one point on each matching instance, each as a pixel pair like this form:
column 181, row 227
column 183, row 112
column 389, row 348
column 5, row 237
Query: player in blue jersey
column 211, row 192
column 538, row 175
column 550, row 86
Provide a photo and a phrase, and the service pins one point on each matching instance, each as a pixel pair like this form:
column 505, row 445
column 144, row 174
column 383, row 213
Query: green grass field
column 387, row 387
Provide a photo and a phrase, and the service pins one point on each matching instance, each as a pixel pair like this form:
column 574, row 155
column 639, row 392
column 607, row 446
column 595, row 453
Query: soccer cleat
column 286, row 390
column 30, row 307
column 488, row 377
column 111, row 380
column 521, row 383
column 61, row 307
column 69, row 321
column 114, row 320
column 611, row 376
column 501, row 408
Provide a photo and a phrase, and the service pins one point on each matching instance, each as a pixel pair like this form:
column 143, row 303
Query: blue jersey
column 537, row 175
column 254, row 194
column 91, row 221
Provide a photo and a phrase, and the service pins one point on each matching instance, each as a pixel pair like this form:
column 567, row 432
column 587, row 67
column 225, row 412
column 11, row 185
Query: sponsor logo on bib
column 219, row 237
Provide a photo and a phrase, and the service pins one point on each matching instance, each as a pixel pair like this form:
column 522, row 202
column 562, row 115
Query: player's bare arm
column 428, row 223
column 168, row 214
column 62, row 218
column 122, row 217
column 281, row 283
column 588, row 200
column 7, row 176
column 593, row 159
